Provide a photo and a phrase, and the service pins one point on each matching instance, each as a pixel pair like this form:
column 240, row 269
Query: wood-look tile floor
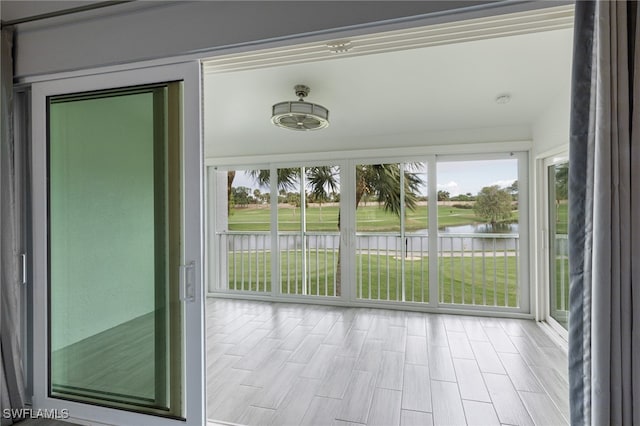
column 293, row 364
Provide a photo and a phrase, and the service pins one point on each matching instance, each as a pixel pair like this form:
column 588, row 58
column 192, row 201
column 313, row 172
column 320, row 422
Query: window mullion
column 303, row 230
column 403, row 244
column 275, row 239
column 432, row 205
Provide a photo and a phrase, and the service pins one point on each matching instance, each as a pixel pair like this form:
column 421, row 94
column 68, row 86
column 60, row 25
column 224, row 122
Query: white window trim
column 390, row 39
column 543, row 311
column 193, row 335
column 468, row 152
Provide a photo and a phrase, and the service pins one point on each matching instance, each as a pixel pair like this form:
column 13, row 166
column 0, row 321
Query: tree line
column 374, row 183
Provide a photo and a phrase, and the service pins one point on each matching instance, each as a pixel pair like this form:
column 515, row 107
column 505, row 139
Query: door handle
column 23, row 260
column 187, row 288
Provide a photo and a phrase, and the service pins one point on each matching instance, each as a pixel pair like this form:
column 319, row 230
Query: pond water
column 469, row 243
column 481, row 228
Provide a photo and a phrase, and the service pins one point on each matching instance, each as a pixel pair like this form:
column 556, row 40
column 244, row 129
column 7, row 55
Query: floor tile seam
column 477, row 400
column 519, row 392
column 264, row 361
column 509, row 336
column 464, row 358
column 481, row 375
column 391, row 389
column 344, row 390
column 528, row 369
column 415, row 363
column 370, row 402
column 503, row 352
column 546, row 392
column 483, row 402
column 534, row 344
column 255, row 405
column 238, row 368
column 493, row 403
column 443, row 381
column 552, row 344
column 415, row 411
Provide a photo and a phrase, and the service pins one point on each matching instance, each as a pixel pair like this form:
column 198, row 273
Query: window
column 447, row 231
column 392, row 225
column 558, row 243
column 478, row 232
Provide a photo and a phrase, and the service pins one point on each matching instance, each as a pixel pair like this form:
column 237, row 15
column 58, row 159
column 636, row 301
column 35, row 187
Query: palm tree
column 562, row 193
column 286, row 180
column 286, row 177
column 323, row 181
column 231, row 175
column 380, row 182
column 562, row 181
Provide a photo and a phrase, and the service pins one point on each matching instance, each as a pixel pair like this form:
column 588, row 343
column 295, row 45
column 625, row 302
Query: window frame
column 431, row 156
column 544, row 267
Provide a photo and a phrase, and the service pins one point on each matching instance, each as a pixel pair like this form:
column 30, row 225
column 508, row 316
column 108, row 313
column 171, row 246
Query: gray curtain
column 604, row 232
column 11, row 374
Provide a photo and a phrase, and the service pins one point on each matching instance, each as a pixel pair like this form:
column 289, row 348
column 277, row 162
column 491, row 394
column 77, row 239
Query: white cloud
column 502, row 183
column 452, row 187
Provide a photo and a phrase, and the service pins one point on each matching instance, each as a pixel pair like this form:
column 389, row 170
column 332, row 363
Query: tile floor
column 292, row 364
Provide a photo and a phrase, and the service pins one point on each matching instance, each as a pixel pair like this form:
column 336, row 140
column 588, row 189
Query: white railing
column 479, row 269
column 559, row 266
column 384, row 263
column 473, row 269
column 247, row 256
column 319, row 267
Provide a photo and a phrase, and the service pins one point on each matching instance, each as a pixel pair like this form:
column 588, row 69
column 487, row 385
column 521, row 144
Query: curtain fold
column 11, row 374
column 604, row 201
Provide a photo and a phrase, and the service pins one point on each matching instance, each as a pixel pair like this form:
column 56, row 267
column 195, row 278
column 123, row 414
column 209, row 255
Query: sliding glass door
column 275, row 231
column 309, row 230
column 240, row 231
column 120, row 296
column 480, row 232
column 114, row 245
column 558, row 243
column 392, row 222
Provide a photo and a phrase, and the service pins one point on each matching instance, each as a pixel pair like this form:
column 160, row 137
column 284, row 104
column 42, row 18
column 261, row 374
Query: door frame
column 524, row 221
column 191, row 250
column 562, row 156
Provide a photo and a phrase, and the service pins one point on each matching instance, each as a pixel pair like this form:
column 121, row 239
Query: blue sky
column 460, row 177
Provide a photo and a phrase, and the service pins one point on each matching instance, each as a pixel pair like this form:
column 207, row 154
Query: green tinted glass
column 114, row 317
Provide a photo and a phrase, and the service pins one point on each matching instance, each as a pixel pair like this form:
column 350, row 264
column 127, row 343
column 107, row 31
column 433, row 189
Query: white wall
column 148, row 30
column 551, row 130
column 550, row 136
column 219, row 149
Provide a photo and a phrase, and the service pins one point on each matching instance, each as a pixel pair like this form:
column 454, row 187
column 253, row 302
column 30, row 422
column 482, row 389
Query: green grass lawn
column 562, row 217
column 562, row 275
column 560, row 293
column 378, row 277
column 369, row 218
column 478, row 281
column 462, row 279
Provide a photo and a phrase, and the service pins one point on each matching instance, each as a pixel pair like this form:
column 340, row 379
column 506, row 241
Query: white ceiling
column 417, row 91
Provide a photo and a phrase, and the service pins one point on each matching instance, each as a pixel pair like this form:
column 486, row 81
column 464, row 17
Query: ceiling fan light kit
column 300, row 115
